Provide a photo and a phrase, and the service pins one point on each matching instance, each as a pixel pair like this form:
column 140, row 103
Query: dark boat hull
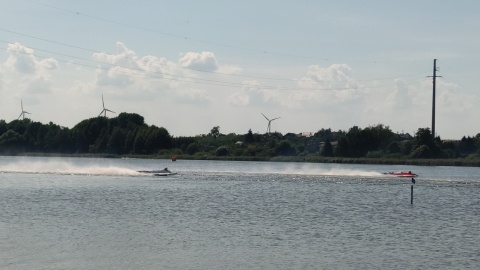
column 401, row 174
column 159, row 172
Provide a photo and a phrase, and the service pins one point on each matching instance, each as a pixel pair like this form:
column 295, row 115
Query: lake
column 88, row 213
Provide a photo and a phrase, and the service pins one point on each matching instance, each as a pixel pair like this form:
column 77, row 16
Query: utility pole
column 433, row 99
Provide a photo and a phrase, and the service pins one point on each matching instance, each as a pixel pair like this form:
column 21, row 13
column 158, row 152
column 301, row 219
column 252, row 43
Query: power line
column 192, row 79
column 187, row 79
column 178, row 67
column 186, row 38
column 195, row 80
column 160, row 32
column 186, row 68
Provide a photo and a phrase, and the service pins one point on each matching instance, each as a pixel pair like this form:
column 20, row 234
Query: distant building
column 297, row 135
column 405, row 136
column 305, row 134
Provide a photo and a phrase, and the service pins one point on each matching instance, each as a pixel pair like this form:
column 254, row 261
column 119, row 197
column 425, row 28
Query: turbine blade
column 101, row 112
column 265, row 117
column 110, row 111
column 20, row 115
column 275, row 118
column 103, row 103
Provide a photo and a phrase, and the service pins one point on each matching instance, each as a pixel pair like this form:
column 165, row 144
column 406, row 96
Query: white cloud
column 388, row 97
column 331, row 77
column 193, row 97
column 253, row 94
column 126, row 73
column 239, row 99
column 116, row 76
column 119, row 69
column 21, row 59
column 205, row 61
column 124, row 57
column 320, row 88
column 452, row 100
column 26, row 72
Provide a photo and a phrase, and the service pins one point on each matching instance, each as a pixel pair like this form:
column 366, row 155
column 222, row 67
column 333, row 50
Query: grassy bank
column 339, row 160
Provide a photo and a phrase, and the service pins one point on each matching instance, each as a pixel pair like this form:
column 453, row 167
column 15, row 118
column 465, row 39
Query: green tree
column 157, row 138
column 215, row 132
column 467, row 146
column 11, row 142
column 353, row 144
column 284, row 148
column 130, row 120
column 249, row 138
column 393, row 147
column 19, row 126
column 421, row 152
column 63, row 141
column 192, row 148
column 116, row 141
column 30, row 135
column 182, row 142
column 324, row 134
column 378, row 137
column 139, row 143
column 130, row 140
column 327, row 149
column 221, row 151
column 342, row 147
column 100, row 144
column 423, row 136
column 3, row 127
column 358, row 142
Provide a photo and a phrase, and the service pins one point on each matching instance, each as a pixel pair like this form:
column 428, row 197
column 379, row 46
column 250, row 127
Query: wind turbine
column 269, row 122
column 22, row 114
column 105, row 110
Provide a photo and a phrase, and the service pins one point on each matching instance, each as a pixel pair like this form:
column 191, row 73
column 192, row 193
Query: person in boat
column 166, row 170
column 409, row 172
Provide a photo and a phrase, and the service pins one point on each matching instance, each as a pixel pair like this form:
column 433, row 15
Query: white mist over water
column 321, row 171
column 313, row 169
column 64, row 167
column 275, row 168
column 92, row 166
column 130, row 167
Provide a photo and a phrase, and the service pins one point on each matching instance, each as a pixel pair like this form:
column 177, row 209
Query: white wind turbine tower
column 105, row 110
column 22, row 114
column 269, row 122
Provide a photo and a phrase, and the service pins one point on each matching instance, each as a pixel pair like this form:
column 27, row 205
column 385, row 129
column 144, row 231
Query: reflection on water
column 234, row 215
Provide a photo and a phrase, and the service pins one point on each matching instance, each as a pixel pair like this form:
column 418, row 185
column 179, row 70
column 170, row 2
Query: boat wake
column 306, row 170
column 63, row 167
column 346, row 172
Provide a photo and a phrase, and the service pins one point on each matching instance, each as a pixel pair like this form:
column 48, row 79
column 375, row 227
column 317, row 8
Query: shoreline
column 307, row 159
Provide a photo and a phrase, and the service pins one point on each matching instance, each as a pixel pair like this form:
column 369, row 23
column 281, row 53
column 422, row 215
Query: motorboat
column 164, row 172
column 401, row 174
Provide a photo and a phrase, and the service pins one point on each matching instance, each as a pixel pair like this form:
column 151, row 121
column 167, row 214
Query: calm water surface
column 74, row 213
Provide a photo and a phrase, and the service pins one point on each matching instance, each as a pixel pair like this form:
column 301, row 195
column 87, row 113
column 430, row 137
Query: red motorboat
column 401, row 174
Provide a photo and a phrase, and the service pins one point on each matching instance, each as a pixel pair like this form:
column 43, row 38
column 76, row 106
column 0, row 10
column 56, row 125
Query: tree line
column 125, row 134
column 128, row 134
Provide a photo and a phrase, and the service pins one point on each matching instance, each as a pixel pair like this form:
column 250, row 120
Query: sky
column 189, row 66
